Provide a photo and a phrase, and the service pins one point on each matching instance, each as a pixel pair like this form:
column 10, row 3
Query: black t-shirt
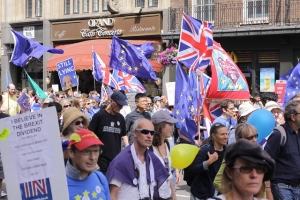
column 110, row 129
column 220, row 157
column 3, row 115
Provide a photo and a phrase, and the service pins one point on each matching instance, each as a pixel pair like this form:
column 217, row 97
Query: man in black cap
column 109, row 125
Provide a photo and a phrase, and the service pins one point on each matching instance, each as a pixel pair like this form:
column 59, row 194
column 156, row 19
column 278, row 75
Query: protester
column 95, row 105
column 76, row 103
column 50, row 93
column 285, row 183
column 46, row 102
column 136, row 173
column 10, row 105
column 268, row 96
column 227, row 107
column 139, row 112
column 58, row 108
column 275, row 109
column 60, row 95
column 109, row 126
column 163, row 126
column 84, row 182
column 207, row 163
column 87, row 108
column 149, row 107
column 157, row 104
column 256, row 102
column 247, row 166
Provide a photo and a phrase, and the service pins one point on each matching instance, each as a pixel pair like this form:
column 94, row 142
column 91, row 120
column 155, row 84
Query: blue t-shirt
column 229, row 123
column 89, row 188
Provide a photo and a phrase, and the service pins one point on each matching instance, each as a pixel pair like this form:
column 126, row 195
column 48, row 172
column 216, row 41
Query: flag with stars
column 126, row 57
column 25, row 49
column 292, row 85
column 227, row 79
column 193, row 97
column 145, row 49
column 23, row 101
column 287, row 75
column 182, row 109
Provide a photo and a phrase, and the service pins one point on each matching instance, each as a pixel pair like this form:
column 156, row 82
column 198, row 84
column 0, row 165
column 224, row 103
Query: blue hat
column 119, row 98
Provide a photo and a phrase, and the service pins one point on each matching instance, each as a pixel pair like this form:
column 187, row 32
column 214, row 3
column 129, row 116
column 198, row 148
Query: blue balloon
column 264, row 122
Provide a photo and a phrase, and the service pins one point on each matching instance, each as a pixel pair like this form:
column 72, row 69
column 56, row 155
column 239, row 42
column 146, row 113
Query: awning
column 82, row 54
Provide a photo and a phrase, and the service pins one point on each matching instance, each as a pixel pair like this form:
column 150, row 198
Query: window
column 95, row 5
column 85, row 6
column 153, row 3
column 28, row 8
column 140, row 3
column 75, row 6
column 204, row 10
column 104, row 5
column 38, row 8
column 66, row 7
column 256, row 11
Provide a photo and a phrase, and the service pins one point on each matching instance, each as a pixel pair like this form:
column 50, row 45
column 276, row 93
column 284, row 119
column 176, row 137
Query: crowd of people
column 112, row 152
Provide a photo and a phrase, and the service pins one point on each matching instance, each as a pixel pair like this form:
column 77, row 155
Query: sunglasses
column 166, row 161
column 65, row 106
column 62, row 97
column 145, row 131
column 248, row 169
column 79, row 122
column 252, row 137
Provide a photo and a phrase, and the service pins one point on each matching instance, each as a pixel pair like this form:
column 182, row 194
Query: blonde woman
column 67, row 82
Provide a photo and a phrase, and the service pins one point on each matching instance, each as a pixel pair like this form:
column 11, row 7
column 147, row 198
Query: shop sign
column 28, row 31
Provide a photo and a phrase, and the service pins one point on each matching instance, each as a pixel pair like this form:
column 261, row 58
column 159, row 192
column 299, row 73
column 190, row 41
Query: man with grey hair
column 10, row 105
column 285, row 183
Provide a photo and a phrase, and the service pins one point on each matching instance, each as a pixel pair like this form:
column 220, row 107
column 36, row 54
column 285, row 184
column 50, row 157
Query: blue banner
column 67, row 74
column 38, row 189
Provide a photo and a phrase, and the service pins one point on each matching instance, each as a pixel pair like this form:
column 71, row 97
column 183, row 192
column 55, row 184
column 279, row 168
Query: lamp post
column 47, row 80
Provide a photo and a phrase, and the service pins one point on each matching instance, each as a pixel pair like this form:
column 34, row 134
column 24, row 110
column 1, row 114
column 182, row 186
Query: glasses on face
column 248, row 169
column 252, row 137
column 65, row 106
column 89, row 152
column 145, row 131
column 79, row 122
column 166, row 161
column 62, row 97
column 88, row 103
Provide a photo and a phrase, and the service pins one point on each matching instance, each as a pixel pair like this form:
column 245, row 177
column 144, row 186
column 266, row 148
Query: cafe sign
column 126, row 26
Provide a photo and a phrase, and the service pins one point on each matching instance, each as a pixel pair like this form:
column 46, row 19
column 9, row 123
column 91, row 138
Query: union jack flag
column 211, row 112
column 128, row 82
column 104, row 94
column 106, row 77
column 196, row 43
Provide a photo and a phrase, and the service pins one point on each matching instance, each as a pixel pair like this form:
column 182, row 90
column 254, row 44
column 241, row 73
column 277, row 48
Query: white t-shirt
column 222, row 197
column 130, row 192
column 164, row 190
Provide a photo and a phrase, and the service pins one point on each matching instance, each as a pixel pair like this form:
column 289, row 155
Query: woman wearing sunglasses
column 163, row 126
column 207, row 163
column 247, row 167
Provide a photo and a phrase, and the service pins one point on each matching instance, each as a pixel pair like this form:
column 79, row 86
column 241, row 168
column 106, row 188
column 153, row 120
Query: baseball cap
column 157, row 98
column 119, row 98
column 252, row 152
column 163, row 116
column 270, row 105
column 245, row 109
column 83, row 139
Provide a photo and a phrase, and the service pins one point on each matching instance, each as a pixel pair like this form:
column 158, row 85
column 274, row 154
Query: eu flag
column 182, row 109
column 126, row 57
column 25, row 49
column 145, row 49
column 97, row 62
column 287, row 75
column 23, row 101
column 292, row 84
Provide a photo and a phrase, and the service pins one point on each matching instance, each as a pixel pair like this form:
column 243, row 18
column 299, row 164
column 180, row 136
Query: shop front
column 79, row 37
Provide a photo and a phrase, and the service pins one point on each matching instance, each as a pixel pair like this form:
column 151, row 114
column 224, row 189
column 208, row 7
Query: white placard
column 32, row 155
column 28, row 31
column 55, row 87
column 170, row 87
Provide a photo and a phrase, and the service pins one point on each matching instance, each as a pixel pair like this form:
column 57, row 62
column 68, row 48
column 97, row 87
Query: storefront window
column 38, row 8
column 104, row 5
column 75, row 6
column 95, row 5
column 67, row 7
column 204, row 10
column 140, row 3
column 85, row 6
column 153, row 3
column 28, row 8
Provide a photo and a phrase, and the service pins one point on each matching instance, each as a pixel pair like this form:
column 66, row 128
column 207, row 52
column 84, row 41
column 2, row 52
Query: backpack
column 189, row 175
column 283, row 135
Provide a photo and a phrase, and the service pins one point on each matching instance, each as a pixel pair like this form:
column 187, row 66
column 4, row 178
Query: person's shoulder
column 100, row 176
column 3, row 115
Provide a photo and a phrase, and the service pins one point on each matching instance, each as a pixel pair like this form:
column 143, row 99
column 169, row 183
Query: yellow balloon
column 182, row 155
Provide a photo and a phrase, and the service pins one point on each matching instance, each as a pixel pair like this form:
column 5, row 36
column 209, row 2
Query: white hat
column 245, row 109
column 270, row 105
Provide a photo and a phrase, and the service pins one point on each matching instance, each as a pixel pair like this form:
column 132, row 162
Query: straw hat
column 71, row 115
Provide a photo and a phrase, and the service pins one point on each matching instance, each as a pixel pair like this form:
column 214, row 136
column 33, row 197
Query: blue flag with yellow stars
column 183, row 110
column 25, row 49
column 287, row 75
column 292, row 85
column 145, row 49
column 23, row 101
column 126, row 57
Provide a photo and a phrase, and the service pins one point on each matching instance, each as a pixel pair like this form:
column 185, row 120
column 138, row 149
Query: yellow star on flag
column 123, row 46
column 129, row 68
column 78, row 197
column 230, row 86
column 182, row 120
column 141, row 64
column 121, row 58
column 101, row 198
column 124, row 64
column 177, row 112
column 122, row 51
column 136, row 68
column 297, row 83
column 190, row 98
column 294, row 78
column 297, row 88
column 287, row 76
column 142, row 52
column 86, row 193
column 94, row 194
column 223, row 81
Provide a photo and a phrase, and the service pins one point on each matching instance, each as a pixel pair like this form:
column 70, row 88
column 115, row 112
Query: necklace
column 160, row 152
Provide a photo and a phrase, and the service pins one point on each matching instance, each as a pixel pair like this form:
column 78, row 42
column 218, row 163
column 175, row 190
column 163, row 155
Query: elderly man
column 135, row 172
column 10, row 105
column 286, row 181
column 84, row 182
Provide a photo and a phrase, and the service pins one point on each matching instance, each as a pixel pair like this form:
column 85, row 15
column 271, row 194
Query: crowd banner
column 67, row 74
column 32, row 156
column 267, row 79
column 280, row 87
column 170, row 87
